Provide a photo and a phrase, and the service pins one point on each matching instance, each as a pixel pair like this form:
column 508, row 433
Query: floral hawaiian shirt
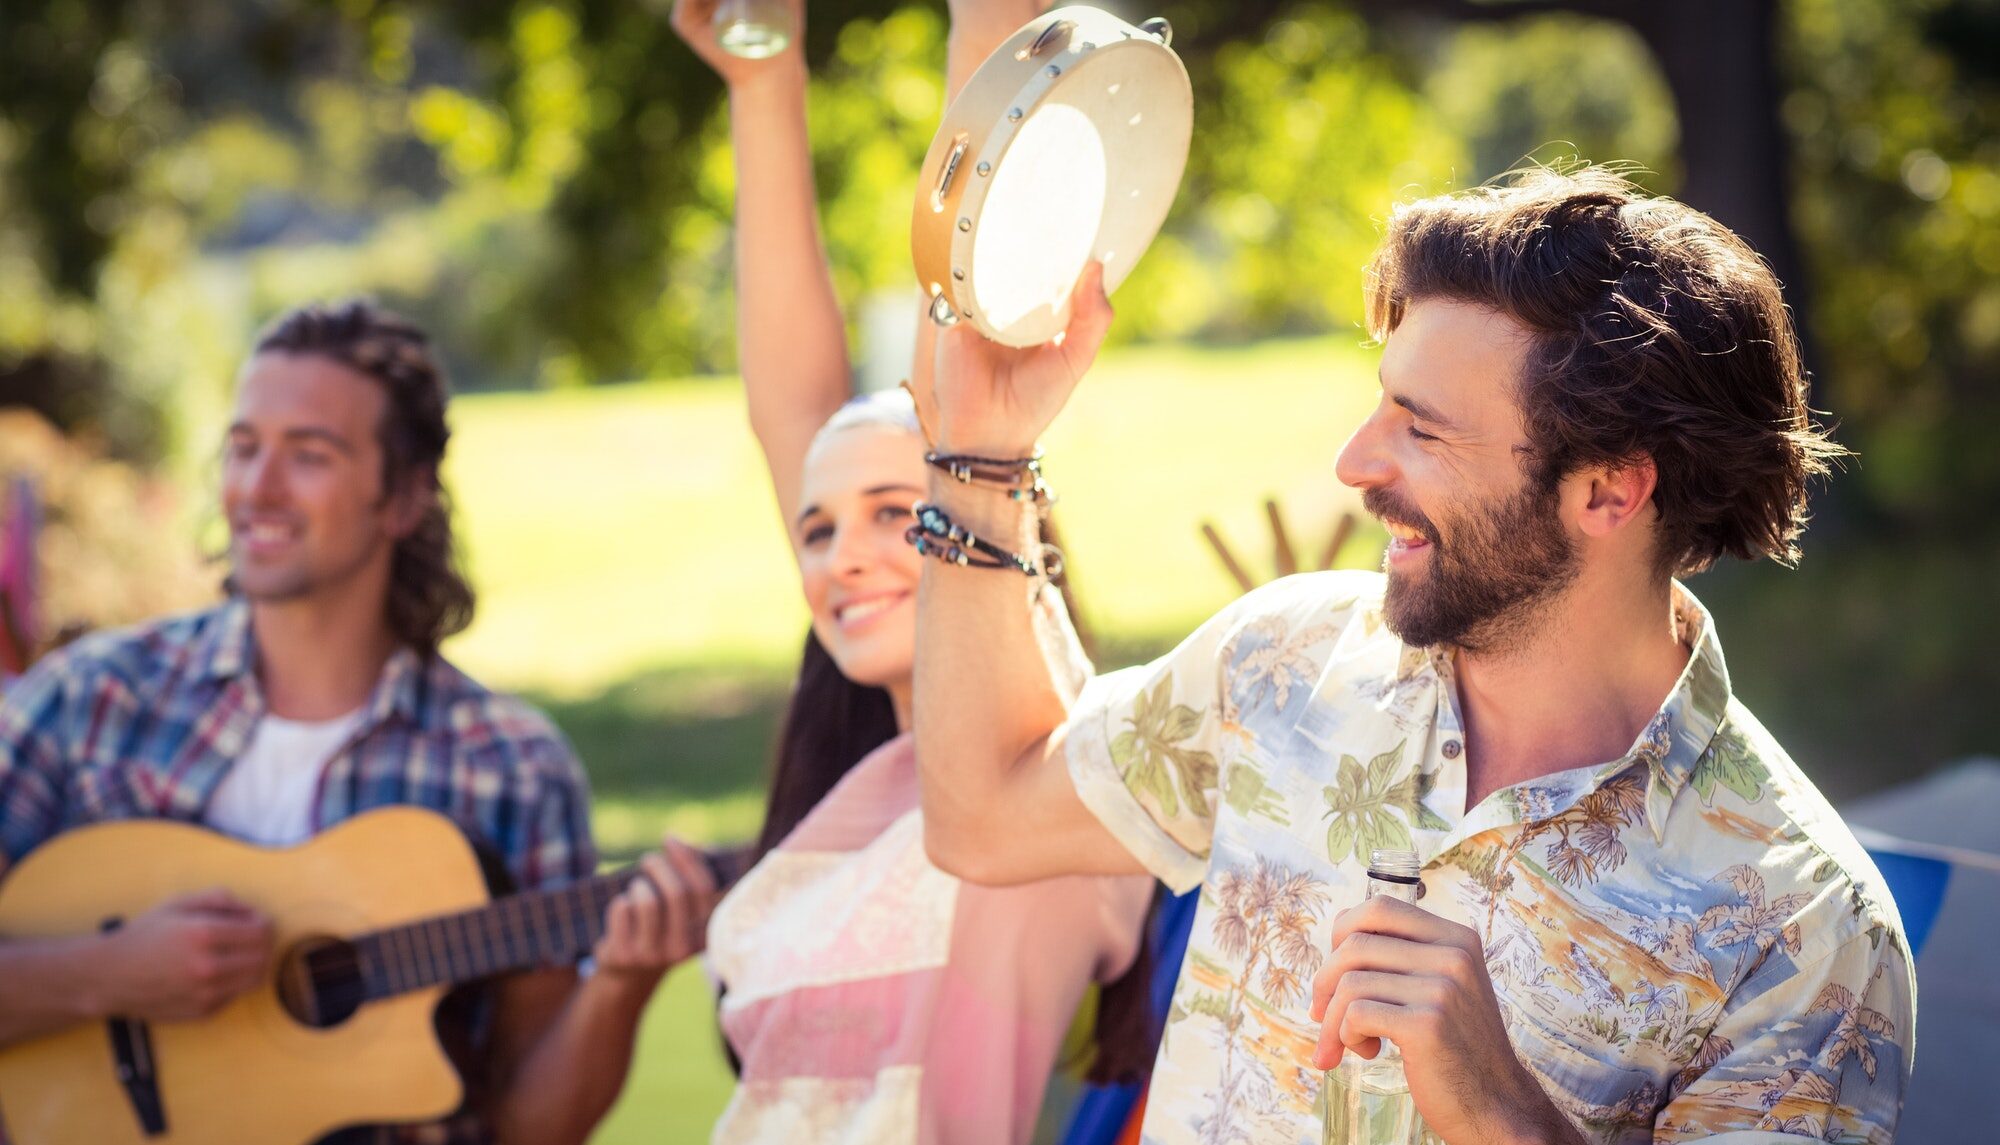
column 1685, row 942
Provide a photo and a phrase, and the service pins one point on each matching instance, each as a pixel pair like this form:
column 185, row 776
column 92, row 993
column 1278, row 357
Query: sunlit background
column 546, row 186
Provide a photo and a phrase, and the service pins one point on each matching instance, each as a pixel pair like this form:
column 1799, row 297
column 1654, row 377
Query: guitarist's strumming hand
column 184, row 959
column 661, row 919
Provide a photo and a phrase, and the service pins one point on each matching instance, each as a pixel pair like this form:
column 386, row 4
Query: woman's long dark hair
column 829, row 725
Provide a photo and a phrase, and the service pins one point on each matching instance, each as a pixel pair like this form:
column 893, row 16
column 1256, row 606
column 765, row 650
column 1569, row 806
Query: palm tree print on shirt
column 1272, row 670
column 1264, row 916
column 1750, row 922
column 1855, row 1027
column 1587, row 837
column 1151, row 756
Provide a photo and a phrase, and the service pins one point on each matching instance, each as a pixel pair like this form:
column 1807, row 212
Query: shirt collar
column 231, row 653
column 1667, row 748
column 1680, row 734
column 228, row 652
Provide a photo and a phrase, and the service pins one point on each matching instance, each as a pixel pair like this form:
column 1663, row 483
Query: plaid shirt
column 146, row 721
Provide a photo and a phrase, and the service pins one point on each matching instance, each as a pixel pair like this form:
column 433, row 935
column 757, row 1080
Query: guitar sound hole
column 320, row 983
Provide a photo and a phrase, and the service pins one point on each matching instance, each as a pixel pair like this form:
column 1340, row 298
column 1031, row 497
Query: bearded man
column 1641, row 922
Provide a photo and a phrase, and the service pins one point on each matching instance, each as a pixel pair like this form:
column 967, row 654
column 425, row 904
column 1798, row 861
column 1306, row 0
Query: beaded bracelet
column 936, row 535
column 1021, row 478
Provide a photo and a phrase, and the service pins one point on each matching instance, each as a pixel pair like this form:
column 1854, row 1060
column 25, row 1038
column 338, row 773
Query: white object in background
column 888, row 338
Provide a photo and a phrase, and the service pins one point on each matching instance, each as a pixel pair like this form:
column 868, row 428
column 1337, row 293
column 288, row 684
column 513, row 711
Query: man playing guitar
column 314, row 693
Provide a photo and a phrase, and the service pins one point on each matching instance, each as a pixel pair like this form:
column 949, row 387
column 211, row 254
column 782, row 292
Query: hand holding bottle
column 1401, row 973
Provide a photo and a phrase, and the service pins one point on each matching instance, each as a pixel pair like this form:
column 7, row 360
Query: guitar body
column 250, row 1074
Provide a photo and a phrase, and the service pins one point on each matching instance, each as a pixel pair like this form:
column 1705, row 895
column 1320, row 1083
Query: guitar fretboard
column 543, row 928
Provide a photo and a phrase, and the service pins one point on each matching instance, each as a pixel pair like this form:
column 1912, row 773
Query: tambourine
column 1066, row 145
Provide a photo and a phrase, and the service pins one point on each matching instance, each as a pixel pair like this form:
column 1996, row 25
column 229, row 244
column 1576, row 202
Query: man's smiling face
column 1476, row 546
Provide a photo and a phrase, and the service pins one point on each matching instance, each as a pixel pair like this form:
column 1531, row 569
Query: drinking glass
column 753, row 29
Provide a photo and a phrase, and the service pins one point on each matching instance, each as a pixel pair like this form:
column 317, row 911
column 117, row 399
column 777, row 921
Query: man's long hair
column 429, row 598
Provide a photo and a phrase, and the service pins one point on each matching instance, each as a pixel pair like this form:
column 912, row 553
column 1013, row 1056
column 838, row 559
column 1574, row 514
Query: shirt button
column 1451, row 749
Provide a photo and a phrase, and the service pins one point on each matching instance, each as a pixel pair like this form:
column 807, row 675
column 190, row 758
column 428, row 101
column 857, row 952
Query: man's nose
column 264, row 477
column 1363, row 463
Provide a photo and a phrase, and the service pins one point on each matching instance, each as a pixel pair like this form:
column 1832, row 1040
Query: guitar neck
column 540, row 928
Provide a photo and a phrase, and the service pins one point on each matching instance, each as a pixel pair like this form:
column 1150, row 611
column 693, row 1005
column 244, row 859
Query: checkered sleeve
column 31, row 775
column 555, row 846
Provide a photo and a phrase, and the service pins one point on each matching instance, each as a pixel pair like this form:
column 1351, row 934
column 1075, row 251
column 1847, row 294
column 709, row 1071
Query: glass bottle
column 1368, row 1102
column 753, row 29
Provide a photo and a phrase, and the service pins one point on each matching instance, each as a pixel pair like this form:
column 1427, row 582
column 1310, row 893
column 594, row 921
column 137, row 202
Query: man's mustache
column 1387, row 506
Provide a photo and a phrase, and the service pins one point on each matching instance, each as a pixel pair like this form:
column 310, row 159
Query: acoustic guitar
column 375, row 919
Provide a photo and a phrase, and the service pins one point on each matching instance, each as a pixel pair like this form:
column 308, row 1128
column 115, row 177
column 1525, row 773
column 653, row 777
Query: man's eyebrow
column 320, row 434
column 1425, row 411
column 304, row 432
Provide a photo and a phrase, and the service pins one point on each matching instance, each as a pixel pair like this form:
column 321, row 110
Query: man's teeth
column 866, row 608
column 1404, row 533
column 264, row 534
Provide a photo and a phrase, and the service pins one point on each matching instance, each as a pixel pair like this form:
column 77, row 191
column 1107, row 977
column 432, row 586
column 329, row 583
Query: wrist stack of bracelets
column 936, row 535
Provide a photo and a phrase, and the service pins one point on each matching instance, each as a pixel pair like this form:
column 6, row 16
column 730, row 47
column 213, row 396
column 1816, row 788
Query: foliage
column 1894, row 112
column 111, row 548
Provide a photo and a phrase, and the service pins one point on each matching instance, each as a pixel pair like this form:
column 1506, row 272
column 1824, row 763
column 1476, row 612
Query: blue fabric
column 1101, row 1113
column 1918, row 885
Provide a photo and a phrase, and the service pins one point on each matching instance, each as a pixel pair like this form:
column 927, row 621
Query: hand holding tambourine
column 1051, row 174
column 993, row 400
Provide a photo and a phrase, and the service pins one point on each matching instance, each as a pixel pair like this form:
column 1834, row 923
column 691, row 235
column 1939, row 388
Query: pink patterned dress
column 874, row 998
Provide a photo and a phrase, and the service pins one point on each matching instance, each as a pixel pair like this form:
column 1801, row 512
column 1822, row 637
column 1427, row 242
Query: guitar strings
column 522, row 930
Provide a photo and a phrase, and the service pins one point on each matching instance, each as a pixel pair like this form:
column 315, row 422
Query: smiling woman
column 843, row 913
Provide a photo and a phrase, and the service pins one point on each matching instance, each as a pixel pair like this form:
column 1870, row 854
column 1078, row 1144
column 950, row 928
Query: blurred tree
column 546, row 185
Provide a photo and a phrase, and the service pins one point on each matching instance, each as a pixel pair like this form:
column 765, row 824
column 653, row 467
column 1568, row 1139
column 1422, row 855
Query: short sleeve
column 31, row 770
column 1147, row 746
column 1823, row 1055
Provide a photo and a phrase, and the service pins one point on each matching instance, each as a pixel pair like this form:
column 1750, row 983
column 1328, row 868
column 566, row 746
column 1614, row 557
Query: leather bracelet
column 936, row 535
column 1021, row 478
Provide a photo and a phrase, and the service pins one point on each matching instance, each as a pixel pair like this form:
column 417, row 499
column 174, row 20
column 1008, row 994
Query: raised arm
column 791, row 338
column 999, row 806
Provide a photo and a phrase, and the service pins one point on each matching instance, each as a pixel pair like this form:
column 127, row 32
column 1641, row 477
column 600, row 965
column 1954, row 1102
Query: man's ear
column 415, row 496
column 1617, row 495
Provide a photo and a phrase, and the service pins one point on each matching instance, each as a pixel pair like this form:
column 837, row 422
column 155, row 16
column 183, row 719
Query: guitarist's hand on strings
column 661, row 919
column 186, row 958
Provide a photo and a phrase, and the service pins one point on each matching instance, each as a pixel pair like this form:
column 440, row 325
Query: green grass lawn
column 635, row 582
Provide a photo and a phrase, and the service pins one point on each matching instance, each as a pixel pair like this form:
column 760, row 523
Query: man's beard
column 1482, row 589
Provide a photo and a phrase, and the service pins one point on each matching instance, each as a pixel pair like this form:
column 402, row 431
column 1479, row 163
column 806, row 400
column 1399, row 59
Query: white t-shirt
column 267, row 797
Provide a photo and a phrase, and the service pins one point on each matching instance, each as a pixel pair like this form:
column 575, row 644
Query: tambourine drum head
column 1066, row 145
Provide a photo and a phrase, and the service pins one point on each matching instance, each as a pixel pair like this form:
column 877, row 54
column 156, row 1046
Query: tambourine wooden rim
column 1135, row 92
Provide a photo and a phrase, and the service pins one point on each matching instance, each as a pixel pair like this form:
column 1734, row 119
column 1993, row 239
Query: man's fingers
column 1089, row 319
column 651, row 914
column 1365, row 950
column 1360, row 986
column 616, row 941
column 703, row 894
column 215, row 901
column 241, row 972
column 670, row 907
column 233, row 931
column 1397, row 919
